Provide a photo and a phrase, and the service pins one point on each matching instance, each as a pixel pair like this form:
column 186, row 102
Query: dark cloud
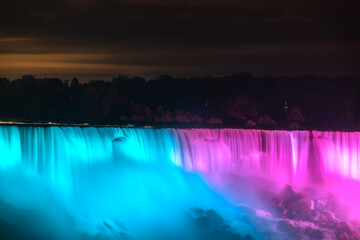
column 187, row 37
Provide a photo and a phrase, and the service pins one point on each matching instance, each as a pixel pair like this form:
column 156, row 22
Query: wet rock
column 344, row 232
column 319, row 204
column 224, row 227
column 211, row 226
column 299, row 209
column 108, row 226
column 288, row 193
column 248, row 237
column 214, row 217
column 197, row 212
column 202, row 222
column 294, row 232
column 275, row 207
column 226, row 235
column 323, row 219
column 295, row 205
column 343, row 236
column 315, row 234
column 307, row 215
column 284, row 226
column 9, row 231
column 126, row 236
column 326, row 219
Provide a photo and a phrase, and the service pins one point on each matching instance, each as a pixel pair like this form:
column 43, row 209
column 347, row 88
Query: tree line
column 241, row 100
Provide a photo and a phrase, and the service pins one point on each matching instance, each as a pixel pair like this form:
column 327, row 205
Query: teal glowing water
column 73, row 179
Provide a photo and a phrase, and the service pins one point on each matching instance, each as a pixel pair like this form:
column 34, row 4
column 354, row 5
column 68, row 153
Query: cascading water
column 131, row 173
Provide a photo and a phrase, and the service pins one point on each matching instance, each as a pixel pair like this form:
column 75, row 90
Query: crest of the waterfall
column 146, row 146
column 58, row 152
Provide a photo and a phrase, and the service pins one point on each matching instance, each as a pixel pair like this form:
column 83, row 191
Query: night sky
column 100, row 39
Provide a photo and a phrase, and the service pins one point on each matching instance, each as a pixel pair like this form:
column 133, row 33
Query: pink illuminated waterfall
column 286, row 156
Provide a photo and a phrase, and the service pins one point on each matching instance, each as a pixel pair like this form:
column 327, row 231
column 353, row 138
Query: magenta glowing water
column 107, row 172
column 290, row 156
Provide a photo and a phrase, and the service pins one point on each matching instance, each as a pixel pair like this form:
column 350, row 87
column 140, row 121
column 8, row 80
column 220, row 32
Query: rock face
column 290, row 229
column 210, row 225
column 344, row 232
column 305, row 218
column 9, row 231
column 299, row 210
column 291, row 205
column 214, row 217
column 197, row 212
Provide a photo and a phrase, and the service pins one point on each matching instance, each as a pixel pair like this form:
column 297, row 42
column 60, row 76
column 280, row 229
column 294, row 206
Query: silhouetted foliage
column 238, row 100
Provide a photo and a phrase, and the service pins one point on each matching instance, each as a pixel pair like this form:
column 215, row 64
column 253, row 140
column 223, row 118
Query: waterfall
column 56, row 152
column 135, row 174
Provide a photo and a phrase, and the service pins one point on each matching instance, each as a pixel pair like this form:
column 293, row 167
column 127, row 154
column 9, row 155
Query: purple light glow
column 291, row 156
column 326, row 161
